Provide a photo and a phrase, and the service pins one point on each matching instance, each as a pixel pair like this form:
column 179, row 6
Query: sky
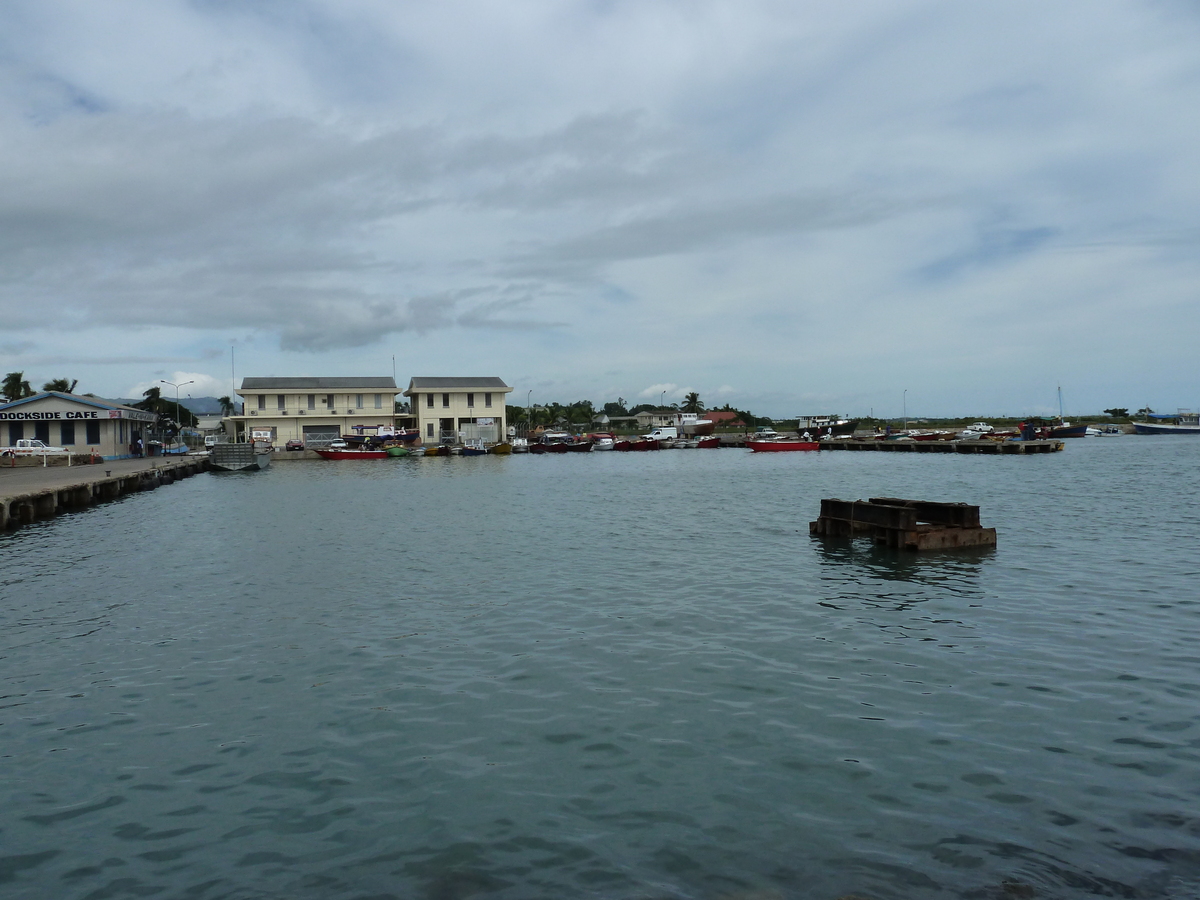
column 874, row 208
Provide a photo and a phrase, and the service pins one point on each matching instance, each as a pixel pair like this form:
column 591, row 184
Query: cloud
column 202, row 385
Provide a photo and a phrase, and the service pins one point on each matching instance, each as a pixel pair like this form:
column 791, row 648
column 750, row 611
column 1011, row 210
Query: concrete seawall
column 28, row 494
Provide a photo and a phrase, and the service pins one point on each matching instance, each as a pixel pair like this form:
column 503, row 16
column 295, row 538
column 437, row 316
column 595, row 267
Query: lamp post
column 904, row 400
column 178, row 417
column 528, row 414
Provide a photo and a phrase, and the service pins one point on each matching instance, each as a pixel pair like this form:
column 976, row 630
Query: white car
column 33, row 447
column 338, row 444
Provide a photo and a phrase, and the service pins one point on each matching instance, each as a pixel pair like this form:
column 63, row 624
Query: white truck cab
column 669, row 432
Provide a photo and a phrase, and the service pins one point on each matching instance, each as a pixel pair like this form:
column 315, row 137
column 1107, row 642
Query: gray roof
column 456, row 384
column 319, row 383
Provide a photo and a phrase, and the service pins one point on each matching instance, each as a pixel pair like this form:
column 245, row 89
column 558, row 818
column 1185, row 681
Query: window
column 429, row 400
column 379, row 401
column 487, row 399
column 358, row 401
column 470, row 400
column 68, row 434
column 93, row 432
column 428, row 428
column 281, row 402
column 329, row 401
column 312, row 401
column 16, row 431
column 262, row 401
column 41, row 431
column 446, row 400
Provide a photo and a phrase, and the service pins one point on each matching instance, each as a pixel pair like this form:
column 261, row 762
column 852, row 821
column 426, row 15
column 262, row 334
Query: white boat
column 602, row 444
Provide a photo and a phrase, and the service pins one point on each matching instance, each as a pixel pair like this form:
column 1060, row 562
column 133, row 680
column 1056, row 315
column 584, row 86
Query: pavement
column 18, row 480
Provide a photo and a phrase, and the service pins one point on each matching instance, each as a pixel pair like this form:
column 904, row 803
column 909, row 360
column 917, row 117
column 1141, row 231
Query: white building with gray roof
column 456, row 409
column 314, row 409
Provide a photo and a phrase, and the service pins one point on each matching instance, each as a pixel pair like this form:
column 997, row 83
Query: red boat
column 781, row 446
column 709, row 443
column 352, row 454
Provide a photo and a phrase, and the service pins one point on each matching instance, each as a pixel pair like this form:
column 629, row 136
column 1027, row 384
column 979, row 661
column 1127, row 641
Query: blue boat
column 1182, row 422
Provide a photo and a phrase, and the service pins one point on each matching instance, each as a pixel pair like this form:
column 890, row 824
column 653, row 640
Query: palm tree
column 62, row 385
column 692, row 403
column 226, row 406
column 15, row 386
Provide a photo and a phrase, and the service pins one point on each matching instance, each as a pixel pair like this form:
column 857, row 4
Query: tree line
column 583, row 413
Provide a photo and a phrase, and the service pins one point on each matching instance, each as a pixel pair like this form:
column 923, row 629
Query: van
column 667, row 433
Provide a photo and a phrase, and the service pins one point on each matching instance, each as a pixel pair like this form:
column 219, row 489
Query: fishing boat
column 782, row 446
column 474, row 451
column 711, row 442
column 502, row 449
column 352, row 454
column 1183, row 421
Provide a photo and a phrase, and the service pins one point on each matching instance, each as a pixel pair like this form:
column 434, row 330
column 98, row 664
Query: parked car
column 294, row 444
column 33, row 447
column 338, row 444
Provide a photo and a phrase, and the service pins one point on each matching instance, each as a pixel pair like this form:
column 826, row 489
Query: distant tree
column 643, row 407
column 15, row 386
column 227, row 406
column 692, row 403
column 616, row 409
column 63, row 385
column 1118, row 412
column 1145, row 411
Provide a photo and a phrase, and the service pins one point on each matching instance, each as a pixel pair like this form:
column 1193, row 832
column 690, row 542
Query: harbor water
column 609, row 675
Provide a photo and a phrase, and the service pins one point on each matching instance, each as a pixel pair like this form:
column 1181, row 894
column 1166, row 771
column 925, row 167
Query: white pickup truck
column 33, row 447
column 666, row 433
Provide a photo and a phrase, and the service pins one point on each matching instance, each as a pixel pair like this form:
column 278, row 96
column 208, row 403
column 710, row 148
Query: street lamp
column 178, row 417
column 904, row 400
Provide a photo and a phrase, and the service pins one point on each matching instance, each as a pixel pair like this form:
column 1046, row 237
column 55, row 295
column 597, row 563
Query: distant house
column 314, row 409
column 656, row 418
column 79, row 424
column 724, row 418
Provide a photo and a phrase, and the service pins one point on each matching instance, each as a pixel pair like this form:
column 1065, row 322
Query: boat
column 502, row 449
column 416, row 451
column 782, row 446
column 247, row 457
column 826, row 426
column 1183, row 421
column 351, row 454
column 1065, row 429
column 711, row 442
column 474, row 449
column 602, row 440
column 520, row 445
column 397, row 451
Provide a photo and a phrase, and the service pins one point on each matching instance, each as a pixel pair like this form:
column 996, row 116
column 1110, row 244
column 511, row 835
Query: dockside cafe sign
column 41, row 415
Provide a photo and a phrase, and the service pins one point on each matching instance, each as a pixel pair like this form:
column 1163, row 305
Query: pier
column 904, row 524
column 994, row 447
column 28, row 493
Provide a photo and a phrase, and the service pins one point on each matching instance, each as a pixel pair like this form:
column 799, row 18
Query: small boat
column 782, row 446
column 397, row 451
column 579, row 447
column 352, row 454
column 520, row 445
column 644, row 444
column 416, row 451
column 502, row 449
column 709, row 443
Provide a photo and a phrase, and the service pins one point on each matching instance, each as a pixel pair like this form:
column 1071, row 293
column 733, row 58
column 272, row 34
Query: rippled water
column 613, row 675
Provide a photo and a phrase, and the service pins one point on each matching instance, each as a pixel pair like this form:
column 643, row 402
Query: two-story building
column 452, row 410
column 315, row 410
column 83, row 425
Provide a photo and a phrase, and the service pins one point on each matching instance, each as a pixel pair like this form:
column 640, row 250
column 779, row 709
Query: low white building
column 83, row 425
column 453, row 410
column 313, row 409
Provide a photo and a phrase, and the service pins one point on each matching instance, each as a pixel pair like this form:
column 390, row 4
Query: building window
column 329, row 401
column 41, row 431
column 358, row 401
column 429, row 400
column 16, row 431
column 428, row 428
column 312, row 401
column 487, row 399
column 470, row 400
column 281, row 402
column 379, row 401
column 93, row 432
column 68, row 434
column 446, row 400
column 262, row 401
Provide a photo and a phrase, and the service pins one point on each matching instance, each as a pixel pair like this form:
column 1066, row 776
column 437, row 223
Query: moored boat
column 502, row 449
column 782, row 446
column 711, row 442
column 352, row 454
column 397, row 451
column 1182, row 422
column 233, row 457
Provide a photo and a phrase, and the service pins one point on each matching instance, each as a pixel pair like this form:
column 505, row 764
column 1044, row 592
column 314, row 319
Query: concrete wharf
column 993, row 447
column 28, row 493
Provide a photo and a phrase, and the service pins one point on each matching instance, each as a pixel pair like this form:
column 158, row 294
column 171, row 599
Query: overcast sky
column 791, row 207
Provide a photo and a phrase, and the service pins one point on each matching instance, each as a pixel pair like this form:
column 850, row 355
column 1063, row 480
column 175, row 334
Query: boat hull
column 1068, row 431
column 1152, row 428
column 231, row 457
column 352, row 454
column 781, row 446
